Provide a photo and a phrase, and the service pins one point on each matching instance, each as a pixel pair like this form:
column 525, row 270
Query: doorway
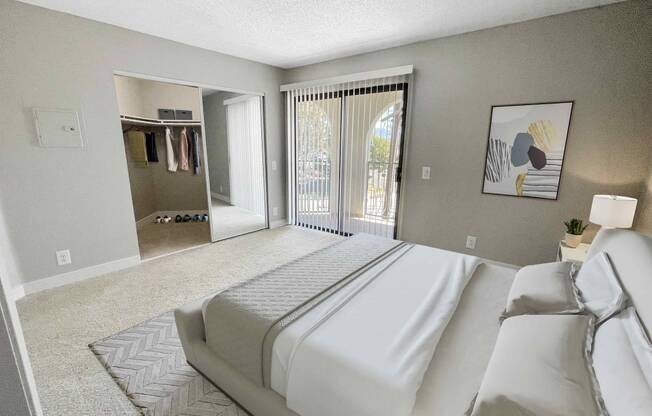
column 163, row 138
column 346, row 150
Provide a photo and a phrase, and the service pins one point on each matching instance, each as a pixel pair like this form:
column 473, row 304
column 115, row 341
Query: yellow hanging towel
column 137, row 148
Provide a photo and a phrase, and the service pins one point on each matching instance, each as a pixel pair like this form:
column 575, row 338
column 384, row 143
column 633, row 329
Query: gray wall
column 600, row 58
column 644, row 220
column 217, row 147
column 80, row 199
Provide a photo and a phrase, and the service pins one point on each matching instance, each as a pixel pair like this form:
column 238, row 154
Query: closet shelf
column 144, row 121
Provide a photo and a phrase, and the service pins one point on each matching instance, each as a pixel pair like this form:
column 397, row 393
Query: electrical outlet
column 63, row 257
column 275, row 211
column 471, row 242
column 425, row 172
column 273, row 165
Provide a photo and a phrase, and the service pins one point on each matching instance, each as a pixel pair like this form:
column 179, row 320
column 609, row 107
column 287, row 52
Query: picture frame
column 526, row 149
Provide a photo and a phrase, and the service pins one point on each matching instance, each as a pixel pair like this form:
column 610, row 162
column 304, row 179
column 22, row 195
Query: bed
column 452, row 346
column 402, row 329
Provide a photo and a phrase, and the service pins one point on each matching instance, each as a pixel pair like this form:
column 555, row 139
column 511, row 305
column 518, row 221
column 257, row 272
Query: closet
column 164, row 147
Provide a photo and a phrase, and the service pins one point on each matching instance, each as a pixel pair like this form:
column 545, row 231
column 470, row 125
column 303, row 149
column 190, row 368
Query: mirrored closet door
column 235, row 162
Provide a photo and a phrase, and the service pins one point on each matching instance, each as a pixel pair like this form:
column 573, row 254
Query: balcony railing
column 380, row 200
column 313, row 187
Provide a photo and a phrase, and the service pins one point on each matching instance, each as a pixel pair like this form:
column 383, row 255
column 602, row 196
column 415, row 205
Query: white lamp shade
column 613, row 211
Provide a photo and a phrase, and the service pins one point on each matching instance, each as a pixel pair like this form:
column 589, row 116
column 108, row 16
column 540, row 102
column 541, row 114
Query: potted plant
column 574, row 230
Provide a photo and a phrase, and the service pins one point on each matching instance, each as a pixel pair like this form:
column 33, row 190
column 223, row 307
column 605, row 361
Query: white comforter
column 365, row 350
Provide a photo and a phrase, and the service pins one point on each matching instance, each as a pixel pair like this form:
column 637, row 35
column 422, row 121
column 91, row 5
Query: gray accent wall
column 600, row 58
column 644, row 220
column 217, row 146
column 79, row 199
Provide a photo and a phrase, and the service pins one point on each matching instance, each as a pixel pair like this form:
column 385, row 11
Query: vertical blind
column 344, row 155
column 245, row 139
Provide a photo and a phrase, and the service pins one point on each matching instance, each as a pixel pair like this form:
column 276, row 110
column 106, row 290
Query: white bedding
column 365, row 350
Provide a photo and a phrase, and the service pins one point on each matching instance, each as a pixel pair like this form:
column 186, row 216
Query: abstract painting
column 525, row 152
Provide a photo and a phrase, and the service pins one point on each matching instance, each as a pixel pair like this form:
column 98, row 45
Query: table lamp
column 612, row 211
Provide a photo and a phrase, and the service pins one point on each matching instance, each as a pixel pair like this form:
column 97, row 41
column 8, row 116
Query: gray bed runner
column 243, row 321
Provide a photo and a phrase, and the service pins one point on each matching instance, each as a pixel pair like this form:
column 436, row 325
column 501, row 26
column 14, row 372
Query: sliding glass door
column 346, row 146
column 318, row 130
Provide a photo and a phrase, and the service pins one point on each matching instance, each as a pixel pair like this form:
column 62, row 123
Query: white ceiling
column 289, row 33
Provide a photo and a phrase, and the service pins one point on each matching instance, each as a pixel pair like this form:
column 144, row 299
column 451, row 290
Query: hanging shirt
column 137, row 151
column 169, row 149
column 183, row 149
column 196, row 161
column 150, row 141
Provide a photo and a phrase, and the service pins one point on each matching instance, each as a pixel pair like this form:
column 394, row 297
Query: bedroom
column 466, row 64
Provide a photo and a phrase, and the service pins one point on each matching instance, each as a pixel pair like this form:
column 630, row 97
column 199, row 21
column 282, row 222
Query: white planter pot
column 572, row 240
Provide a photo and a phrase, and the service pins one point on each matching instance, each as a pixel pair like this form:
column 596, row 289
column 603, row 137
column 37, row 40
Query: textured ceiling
column 289, row 33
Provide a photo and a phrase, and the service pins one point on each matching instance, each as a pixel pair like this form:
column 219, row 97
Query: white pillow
column 543, row 289
column 541, row 366
column 622, row 360
column 600, row 288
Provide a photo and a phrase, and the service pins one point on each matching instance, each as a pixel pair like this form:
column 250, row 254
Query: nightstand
column 576, row 255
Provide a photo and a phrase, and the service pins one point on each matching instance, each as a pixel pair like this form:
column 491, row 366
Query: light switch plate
column 273, row 165
column 471, row 242
column 275, row 211
column 425, row 172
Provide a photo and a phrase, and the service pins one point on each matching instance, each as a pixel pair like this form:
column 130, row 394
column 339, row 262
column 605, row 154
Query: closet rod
column 142, row 121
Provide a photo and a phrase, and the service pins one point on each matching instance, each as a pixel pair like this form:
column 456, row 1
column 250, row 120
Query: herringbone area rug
column 148, row 363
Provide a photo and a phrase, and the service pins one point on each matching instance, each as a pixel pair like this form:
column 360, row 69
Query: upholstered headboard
column 631, row 255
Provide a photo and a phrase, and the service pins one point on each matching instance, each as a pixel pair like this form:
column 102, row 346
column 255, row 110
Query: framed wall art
column 525, row 149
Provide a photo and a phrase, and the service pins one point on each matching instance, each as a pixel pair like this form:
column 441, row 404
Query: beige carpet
column 60, row 323
column 157, row 239
column 229, row 220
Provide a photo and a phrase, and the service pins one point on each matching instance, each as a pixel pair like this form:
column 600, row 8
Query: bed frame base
column 257, row 401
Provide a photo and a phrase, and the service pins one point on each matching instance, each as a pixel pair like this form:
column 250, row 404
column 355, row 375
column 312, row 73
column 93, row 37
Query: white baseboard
column 18, row 292
column 74, row 276
column 221, row 197
column 146, row 220
column 278, row 223
column 151, row 217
